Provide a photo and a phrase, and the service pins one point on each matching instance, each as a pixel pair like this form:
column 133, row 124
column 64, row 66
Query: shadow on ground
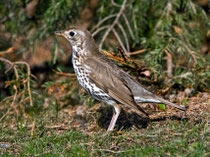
column 127, row 120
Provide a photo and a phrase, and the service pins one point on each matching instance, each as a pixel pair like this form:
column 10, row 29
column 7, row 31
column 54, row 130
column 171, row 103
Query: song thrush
column 104, row 80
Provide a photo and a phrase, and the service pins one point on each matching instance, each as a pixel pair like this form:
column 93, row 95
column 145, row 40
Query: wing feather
column 107, row 78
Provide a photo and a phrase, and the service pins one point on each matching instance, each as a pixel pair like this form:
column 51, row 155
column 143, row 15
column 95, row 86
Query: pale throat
column 79, row 48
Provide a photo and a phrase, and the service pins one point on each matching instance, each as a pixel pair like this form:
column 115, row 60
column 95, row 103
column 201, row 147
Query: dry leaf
column 178, row 30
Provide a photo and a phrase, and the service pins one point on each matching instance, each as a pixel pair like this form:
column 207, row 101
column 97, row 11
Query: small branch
column 192, row 6
column 100, row 29
column 113, row 24
column 179, row 32
column 134, row 22
column 33, row 126
column 192, row 53
column 125, row 36
column 13, row 65
column 169, row 9
column 55, row 55
column 136, row 52
column 41, row 154
column 169, row 64
column 115, row 4
column 121, row 60
column 185, row 76
column 119, row 40
column 64, row 74
column 9, row 50
column 128, row 25
column 28, row 80
column 13, row 103
column 103, row 20
column 122, row 54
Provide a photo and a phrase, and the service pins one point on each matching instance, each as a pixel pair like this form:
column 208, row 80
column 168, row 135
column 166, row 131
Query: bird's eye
column 71, row 33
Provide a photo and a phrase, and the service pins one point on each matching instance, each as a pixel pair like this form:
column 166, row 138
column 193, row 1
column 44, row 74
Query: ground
column 81, row 131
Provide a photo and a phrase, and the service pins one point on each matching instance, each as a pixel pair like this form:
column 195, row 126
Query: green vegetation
column 43, row 110
column 52, row 138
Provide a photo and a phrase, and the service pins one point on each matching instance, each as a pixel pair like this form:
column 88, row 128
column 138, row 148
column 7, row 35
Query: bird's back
column 111, row 77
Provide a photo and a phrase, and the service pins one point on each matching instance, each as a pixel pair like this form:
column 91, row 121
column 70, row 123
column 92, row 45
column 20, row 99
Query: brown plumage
column 104, row 80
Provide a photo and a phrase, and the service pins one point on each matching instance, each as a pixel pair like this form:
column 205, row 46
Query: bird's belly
column 90, row 87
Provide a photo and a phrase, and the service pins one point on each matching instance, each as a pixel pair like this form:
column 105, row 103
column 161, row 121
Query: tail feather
column 156, row 99
column 170, row 103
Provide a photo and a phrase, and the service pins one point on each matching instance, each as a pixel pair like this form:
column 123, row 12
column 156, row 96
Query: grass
column 68, row 134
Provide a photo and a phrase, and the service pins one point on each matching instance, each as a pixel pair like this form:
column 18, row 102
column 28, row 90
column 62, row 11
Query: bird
column 104, row 80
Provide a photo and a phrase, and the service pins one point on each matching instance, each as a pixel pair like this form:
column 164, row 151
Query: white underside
column 142, row 100
column 89, row 85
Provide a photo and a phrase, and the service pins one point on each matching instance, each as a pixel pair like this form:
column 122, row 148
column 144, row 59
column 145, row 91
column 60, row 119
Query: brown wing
column 139, row 91
column 106, row 76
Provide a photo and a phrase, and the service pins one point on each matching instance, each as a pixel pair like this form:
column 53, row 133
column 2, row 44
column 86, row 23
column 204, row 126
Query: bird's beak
column 61, row 33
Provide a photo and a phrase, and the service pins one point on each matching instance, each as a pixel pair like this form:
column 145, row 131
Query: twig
column 119, row 40
column 113, row 24
column 103, row 20
column 64, row 74
column 12, row 105
column 14, row 86
column 13, row 65
column 125, row 36
column 192, row 6
column 100, row 29
column 9, row 50
column 185, row 76
column 41, row 154
column 128, row 25
column 134, row 21
column 55, row 54
column 116, row 152
column 33, row 126
column 115, row 4
column 192, row 53
column 169, row 9
column 169, row 64
column 136, row 52
column 121, row 60
column 28, row 80
column 122, row 54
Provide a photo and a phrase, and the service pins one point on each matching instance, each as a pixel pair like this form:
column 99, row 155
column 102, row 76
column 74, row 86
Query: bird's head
column 80, row 39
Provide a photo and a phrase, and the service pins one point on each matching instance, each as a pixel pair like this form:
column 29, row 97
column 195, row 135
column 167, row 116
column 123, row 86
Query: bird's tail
column 170, row 103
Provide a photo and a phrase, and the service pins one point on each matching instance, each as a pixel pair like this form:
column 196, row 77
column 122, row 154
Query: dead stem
column 13, row 65
column 13, row 103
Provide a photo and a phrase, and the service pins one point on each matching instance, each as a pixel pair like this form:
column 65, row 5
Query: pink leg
column 114, row 117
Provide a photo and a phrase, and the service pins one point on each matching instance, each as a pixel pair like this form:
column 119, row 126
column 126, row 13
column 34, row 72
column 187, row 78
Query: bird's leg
column 114, row 117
